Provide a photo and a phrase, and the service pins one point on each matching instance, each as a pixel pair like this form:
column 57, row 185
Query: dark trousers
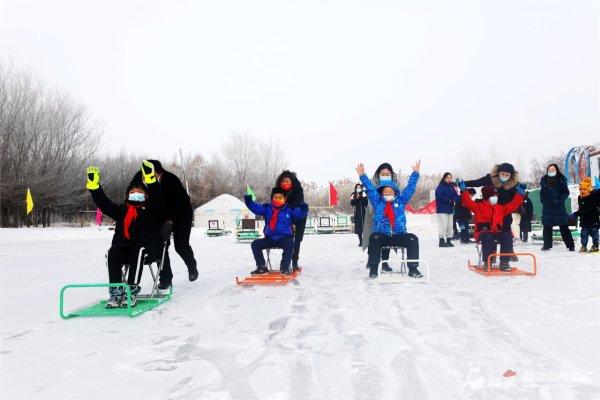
column 378, row 240
column 524, row 235
column 586, row 233
column 359, row 239
column 565, row 232
column 464, row 230
column 181, row 240
column 488, row 244
column 121, row 255
column 285, row 243
column 300, row 226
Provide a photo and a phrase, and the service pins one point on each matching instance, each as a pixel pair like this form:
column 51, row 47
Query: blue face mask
column 136, row 197
column 504, row 179
column 551, row 174
column 385, row 178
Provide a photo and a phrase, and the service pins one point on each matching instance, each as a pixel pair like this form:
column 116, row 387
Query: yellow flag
column 29, row 202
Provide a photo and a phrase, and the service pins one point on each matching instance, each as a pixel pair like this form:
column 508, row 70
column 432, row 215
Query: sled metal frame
column 144, row 302
column 272, row 278
column 488, row 270
column 401, row 275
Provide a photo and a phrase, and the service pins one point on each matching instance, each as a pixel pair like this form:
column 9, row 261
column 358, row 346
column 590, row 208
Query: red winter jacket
column 487, row 214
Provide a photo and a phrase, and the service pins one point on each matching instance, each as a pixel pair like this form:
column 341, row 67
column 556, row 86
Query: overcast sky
column 336, row 82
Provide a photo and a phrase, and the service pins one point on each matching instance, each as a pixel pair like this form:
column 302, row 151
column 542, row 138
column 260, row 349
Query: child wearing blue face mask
column 389, row 219
column 138, row 222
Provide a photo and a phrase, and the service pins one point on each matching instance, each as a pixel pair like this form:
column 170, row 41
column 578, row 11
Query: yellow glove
column 148, row 172
column 93, row 178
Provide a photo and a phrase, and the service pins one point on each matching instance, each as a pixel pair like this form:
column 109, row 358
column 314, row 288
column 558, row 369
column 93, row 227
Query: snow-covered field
column 333, row 334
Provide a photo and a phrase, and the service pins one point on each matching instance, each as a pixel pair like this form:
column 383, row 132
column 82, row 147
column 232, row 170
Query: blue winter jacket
column 380, row 222
column 445, row 198
column 286, row 216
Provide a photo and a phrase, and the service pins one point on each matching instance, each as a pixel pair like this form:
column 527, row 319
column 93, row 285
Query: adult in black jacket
column 463, row 217
column 505, row 179
column 178, row 215
column 526, row 212
column 138, row 221
column 294, row 193
column 554, row 192
column 360, row 202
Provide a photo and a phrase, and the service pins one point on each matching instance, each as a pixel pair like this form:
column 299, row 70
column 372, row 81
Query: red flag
column 428, row 208
column 333, row 195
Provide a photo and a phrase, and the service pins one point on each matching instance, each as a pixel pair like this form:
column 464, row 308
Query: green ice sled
column 144, row 302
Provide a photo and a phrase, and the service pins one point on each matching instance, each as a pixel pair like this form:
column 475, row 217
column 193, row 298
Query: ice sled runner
column 274, row 277
column 145, row 302
column 399, row 266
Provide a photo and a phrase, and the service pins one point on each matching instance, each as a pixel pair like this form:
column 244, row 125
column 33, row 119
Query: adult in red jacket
column 489, row 220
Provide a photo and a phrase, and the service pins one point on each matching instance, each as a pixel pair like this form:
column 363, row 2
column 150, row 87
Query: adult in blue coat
column 445, row 198
column 389, row 219
column 278, row 229
column 553, row 194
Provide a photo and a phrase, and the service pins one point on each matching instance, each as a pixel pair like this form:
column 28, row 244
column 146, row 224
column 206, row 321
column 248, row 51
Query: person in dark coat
column 178, row 216
column 278, row 231
column 360, row 202
column 553, row 194
column 138, row 222
column 294, row 193
column 526, row 212
column 463, row 217
column 445, row 198
column 589, row 218
column 505, row 179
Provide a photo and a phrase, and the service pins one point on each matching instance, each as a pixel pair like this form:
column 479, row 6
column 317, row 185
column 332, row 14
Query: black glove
column 165, row 231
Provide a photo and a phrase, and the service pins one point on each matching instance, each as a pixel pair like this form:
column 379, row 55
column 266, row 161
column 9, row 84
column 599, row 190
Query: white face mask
column 136, row 197
column 551, row 174
column 385, row 178
column 493, row 200
column 358, row 190
column 389, row 198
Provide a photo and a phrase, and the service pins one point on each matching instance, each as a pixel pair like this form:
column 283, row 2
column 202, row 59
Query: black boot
column 442, row 243
column 295, row 265
column 386, row 267
column 449, row 243
column 193, row 273
column 260, row 271
column 414, row 273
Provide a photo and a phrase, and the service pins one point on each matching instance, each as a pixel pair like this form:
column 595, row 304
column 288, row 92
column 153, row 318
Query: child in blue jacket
column 278, row 229
column 389, row 220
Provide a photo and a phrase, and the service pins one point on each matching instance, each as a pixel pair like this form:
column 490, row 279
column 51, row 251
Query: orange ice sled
column 489, row 270
column 272, row 278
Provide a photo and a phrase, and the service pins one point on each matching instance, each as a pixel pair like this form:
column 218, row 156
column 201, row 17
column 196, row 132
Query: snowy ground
column 333, row 334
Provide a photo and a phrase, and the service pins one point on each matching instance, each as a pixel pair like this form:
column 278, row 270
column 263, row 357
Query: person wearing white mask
column 359, row 201
column 389, row 219
column 553, row 194
column 489, row 217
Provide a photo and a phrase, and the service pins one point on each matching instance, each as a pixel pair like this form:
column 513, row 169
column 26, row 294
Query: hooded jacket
column 380, row 223
column 295, row 196
column 285, row 217
column 588, row 210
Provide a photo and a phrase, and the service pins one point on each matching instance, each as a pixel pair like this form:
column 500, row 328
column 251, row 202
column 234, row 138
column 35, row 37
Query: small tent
column 224, row 208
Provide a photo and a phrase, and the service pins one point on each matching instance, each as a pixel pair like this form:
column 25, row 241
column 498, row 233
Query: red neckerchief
column 130, row 216
column 273, row 221
column 389, row 213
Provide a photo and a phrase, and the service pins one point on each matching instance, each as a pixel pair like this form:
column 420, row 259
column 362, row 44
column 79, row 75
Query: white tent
column 225, row 208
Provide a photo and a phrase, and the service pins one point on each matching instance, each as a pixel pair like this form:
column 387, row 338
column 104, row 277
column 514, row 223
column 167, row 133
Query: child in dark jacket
column 278, row 229
column 589, row 219
column 489, row 220
column 389, row 220
column 138, row 223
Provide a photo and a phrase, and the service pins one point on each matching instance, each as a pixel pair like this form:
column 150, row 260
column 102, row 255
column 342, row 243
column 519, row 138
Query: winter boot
column 285, row 271
column 193, row 273
column 583, row 249
column 414, row 273
column 514, row 258
column 449, row 243
column 442, row 243
column 373, row 271
column 594, row 249
column 116, row 296
column 164, row 285
column 386, row 267
column 505, row 266
column 295, row 265
column 260, row 271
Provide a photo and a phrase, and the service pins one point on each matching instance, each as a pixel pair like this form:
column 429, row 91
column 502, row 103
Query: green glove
column 148, row 172
column 93, row 178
